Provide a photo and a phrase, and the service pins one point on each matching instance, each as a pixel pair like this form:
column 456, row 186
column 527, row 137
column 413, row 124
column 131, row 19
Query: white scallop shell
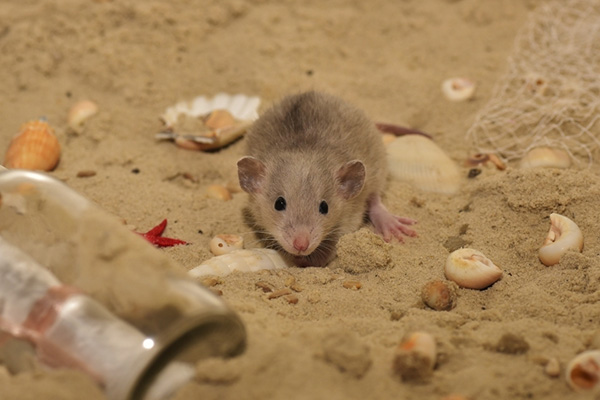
column 418, row 160
column 241, row 106
column 250, row 260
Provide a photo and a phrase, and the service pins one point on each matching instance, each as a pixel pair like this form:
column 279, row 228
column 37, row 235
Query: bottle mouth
column 188, row 341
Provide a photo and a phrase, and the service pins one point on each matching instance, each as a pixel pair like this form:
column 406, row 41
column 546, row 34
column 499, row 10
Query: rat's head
column 300, row 203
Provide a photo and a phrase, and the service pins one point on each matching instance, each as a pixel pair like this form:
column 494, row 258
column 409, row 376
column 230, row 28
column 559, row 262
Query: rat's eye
column 323, row 207
column 280, row 204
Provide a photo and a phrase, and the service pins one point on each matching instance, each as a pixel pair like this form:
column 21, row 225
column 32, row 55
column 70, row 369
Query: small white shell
column 242, row 107
column 415, row 356
column 225, row 243
column 471, row 269
column 418, row 160
column 583, row 372
column 547, row 157
column 458, row 89
column 80, row 112
column 564, row 235
column 241, row 260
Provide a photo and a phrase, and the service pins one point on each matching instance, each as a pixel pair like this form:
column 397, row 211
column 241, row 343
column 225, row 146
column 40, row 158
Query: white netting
column 550, row 95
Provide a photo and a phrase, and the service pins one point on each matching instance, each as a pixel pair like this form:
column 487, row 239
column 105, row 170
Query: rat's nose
column 301, row 243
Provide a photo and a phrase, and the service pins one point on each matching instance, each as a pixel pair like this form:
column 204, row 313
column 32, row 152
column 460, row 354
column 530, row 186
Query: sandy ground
column 134, row 59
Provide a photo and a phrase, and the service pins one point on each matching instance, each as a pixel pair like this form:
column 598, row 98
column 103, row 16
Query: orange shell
column 35, row 147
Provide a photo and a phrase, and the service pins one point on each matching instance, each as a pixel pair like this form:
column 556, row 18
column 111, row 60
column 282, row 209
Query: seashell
column 225, row 243
column 484, row 159
column 241, row 260
column 458, row 89
column 583, row 372
column 418, row 160
column 225, row 118
column 471, row 269
column 439, row 295
column 218, row 192
column 535, row 84
column 563, row 235
column 219, row 119
column 35, row 148
column 415, row 357
column 552, row 368
column 547, row 157
column 387, row 138
column 79, row 113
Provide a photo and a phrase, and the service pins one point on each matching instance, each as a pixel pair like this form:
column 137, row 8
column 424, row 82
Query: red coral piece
column 154, row 236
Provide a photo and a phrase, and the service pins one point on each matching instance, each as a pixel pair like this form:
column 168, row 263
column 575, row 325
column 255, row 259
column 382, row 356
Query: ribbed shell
column 418, row 160
column 35, row 148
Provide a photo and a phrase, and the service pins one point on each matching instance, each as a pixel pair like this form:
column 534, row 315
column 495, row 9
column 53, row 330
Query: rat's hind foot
column 386, row 224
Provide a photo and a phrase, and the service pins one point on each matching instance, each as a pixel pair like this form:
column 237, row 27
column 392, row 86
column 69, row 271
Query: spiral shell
column 35, row 147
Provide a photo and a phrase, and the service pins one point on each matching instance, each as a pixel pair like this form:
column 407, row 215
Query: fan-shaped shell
column 418, row 160
column 242, row 107
column 224, row 118
column 35, row 147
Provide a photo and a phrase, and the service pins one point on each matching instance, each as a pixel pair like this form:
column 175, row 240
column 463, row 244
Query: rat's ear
column 351, row 179
column 251, row 173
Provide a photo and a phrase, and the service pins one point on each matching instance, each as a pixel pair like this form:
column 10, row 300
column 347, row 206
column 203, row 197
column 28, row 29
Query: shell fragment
column 250, row 260
column 223, row 119
column 563, row 235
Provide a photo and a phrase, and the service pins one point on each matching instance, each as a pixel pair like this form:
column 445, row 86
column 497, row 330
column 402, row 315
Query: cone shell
column 418, row 160
column 35, row 148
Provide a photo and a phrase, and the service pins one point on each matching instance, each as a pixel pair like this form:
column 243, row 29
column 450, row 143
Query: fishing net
column 550, row 95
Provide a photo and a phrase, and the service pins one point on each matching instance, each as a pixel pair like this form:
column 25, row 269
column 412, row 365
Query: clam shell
column 216, row 114
column 564, row 235
column 471, row 269
column 546, row 157
column 418, row 160
column 241, row 260
column 35, row 147
column 583, row 372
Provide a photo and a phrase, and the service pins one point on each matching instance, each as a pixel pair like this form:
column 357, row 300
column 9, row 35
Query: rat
column 316, row 167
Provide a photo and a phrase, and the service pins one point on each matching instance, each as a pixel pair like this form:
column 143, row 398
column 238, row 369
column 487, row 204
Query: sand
column 135, row 59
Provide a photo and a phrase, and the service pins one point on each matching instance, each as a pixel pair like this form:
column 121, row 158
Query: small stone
column 264, row 286
column 439, row 295
column 347, row 353
column 353, row 285
column 511, row 343
column 210, row 281
column 291, row 298
column 552, row 368
column 279, row 293
column 86, row 173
